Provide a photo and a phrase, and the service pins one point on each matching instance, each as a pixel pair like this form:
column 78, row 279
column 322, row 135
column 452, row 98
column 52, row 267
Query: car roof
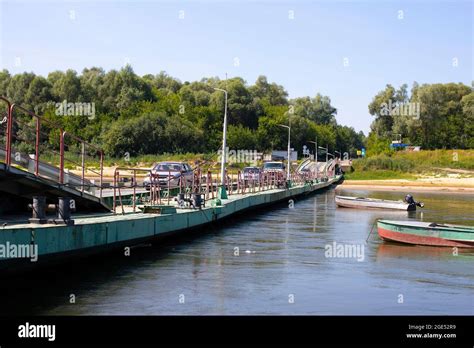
column 171, row 163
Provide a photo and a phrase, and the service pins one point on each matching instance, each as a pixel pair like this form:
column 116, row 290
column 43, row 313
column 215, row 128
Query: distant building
column 398, row 145
column 283, row 155
column 413, row 148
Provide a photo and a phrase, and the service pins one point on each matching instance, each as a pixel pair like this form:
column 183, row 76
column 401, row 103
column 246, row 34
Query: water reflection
column 281, row 252
column 389, row 250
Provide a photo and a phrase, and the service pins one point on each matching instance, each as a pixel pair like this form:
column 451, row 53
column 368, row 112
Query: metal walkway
column 25, row 140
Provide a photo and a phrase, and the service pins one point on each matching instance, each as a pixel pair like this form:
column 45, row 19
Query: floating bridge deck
column 98, row 224
column 17, row 188
column 95, row 232
column 26, row 168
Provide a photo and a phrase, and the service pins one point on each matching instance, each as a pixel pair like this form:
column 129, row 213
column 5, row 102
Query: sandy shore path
column 433, row 184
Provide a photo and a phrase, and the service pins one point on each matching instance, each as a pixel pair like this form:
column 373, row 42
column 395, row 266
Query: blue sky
column 305, row 53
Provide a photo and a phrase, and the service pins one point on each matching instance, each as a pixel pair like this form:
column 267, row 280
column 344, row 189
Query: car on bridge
column 252, row 174
column 275, row 171
column 171, row 172
column 274, row 167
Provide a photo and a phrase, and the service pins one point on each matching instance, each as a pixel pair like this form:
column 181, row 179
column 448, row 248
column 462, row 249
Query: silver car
column 251, row 174
column 171, row 172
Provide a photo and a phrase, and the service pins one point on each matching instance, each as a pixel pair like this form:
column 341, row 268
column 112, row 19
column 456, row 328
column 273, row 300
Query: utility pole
column 315, row 154
column 222, row 189
column 288, row 179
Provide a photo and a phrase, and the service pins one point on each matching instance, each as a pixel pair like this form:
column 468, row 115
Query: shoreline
column 415, row 186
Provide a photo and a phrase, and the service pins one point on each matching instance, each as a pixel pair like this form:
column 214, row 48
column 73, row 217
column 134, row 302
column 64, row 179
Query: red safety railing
column 159, row 188
column 50, row 151
column 29, row 138
column 124, row 175
column 86, row 153
column 4, row 128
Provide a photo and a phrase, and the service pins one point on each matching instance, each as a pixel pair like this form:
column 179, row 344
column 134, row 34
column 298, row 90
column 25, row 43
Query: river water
column 274, row 261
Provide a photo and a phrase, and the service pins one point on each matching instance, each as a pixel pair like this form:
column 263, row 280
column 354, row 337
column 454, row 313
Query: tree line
column 155, row 114
column 433, row 116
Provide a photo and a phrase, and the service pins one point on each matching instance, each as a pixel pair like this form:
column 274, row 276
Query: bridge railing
column 88, row 161
column 4, row 122
column 44, row 149
column 132, row 179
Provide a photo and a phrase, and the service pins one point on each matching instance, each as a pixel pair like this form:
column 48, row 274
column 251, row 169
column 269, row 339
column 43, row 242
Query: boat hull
column 358, row 203
column 419, row 235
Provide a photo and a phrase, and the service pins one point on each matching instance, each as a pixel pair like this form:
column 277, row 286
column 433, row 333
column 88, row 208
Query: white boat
column 373, row 203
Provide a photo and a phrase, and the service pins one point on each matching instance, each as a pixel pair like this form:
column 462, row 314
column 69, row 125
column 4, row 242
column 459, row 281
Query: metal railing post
column 83, row 162
column 134, row 189
column 61, row 156
column 37, row 146
column 8, row 159
column 169, row 185
column 101, row 172
column 115, row 195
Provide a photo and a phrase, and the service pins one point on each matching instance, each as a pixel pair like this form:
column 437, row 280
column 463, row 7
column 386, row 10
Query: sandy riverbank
column 425, row 184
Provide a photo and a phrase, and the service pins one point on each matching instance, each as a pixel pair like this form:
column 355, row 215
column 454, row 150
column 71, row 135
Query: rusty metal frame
column 154, row 195
column 39, row 121
column 8, row 131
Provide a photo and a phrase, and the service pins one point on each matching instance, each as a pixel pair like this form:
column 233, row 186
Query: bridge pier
column 39, row 210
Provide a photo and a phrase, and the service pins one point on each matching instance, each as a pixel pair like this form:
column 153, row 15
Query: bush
column 417, row 161
column 241, row 138
column 384, row 162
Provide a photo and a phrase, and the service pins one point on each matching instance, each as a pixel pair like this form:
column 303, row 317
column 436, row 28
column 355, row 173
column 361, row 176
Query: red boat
column 426, row 233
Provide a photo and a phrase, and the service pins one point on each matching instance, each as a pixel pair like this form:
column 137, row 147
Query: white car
column 273, row 167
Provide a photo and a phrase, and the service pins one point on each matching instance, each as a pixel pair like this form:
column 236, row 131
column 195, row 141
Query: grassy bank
column 207, row 162
column 410, row 165
column 397, row 165
column 378, row 175
column 149, row 160
column 73, row 160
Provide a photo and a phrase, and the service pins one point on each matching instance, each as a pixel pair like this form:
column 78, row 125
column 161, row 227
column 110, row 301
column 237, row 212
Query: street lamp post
column 222, row 189
column 333, row 156
column 288, row 179
column 315, row 154
column 326, row 166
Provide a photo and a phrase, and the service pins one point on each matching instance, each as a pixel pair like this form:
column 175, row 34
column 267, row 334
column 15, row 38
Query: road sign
column 305, row 151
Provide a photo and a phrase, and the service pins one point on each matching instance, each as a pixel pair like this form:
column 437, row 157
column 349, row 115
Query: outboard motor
column 411, row 201
column 180, row 199
column 196, row 200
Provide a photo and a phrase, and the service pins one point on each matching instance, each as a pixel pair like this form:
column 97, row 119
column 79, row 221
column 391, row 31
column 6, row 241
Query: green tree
column 39, row 94
column 17, row 89
column 241, row 138
column 66, row 86
column 317, row 109
column 271, row 93
column 91, row 80
column 5, row 78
